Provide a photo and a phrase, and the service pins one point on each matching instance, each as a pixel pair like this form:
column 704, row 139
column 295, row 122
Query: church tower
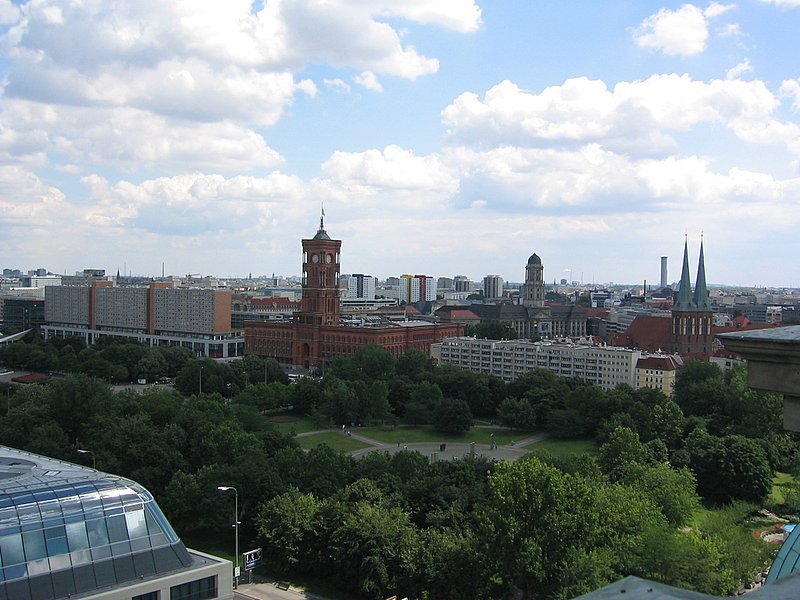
column 533, row 290
column 320, row 303
column 692, row 315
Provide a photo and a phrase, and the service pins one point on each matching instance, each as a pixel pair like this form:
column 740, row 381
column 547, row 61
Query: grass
column 562, row 448
column 337, row 441
column 781, row 481
column 429, row 435
column 294, row 424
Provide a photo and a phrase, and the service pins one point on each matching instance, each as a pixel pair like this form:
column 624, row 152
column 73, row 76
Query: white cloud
column 681, row 32
column 368, row 80
column 736, row 72
column 392, row 168
column 9, row 12
column 791, row 89
column 715, row 9
column 783, row 3
column 639, row 117
column 731, row 30
column 198, row 77
column 337, row 84
column 458, row 15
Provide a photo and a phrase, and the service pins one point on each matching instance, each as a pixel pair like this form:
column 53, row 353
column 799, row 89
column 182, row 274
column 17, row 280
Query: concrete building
column 158, row 315
column 416, row 288
column 73, row 532
column 492, row 287
column 358, row 287
column 19, row 313
column 604, row 366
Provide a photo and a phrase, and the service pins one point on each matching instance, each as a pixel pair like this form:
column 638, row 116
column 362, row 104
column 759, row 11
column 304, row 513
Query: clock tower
column 319, row 306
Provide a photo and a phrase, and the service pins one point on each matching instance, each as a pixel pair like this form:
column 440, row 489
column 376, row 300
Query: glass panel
column 117, row 530
column 38, row 567
column 98, row 535
column 60, row 562
column 81, row 557
column 56, row 540
column 121, row 548
column 15, row 572
column 34, row 545
column 29, row 517
column 137, row 527
column 101, row 552
column 11, row 547
column 76, row 535
column 163, row 524
column 139, row 544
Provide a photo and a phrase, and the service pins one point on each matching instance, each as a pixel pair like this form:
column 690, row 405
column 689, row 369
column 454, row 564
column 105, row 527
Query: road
column 269, row 591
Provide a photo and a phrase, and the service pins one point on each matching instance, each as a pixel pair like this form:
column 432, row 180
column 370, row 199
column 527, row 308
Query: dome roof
column 534, row 260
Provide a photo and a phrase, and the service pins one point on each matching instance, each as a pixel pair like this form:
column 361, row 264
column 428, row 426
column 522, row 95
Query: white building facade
column 604, row 366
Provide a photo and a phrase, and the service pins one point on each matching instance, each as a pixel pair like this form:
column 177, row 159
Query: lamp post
column 226, row 488
column 201, row 379
column 94, row 463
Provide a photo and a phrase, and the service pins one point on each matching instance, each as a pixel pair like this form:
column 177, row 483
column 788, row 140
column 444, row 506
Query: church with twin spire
column 692, row 316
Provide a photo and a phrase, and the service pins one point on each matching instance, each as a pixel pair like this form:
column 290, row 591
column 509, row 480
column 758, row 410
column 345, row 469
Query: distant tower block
column 664, row 272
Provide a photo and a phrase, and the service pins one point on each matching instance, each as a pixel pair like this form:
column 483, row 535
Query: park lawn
column 429, row 435
column 562, row 448
column 289, row 424
column 779, row 482
column 337, row 441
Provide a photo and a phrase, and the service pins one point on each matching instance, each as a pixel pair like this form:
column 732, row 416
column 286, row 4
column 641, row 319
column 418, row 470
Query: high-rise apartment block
column 492, row 287
column 159, row 314
column 358, row 286
column 416, row 288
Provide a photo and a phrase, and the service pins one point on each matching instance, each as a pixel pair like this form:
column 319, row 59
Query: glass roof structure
column 68, row 530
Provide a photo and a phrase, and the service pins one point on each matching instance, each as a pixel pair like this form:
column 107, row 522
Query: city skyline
column 442, row 138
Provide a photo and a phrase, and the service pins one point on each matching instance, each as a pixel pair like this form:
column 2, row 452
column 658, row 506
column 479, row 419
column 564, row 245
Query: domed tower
column 533, row 290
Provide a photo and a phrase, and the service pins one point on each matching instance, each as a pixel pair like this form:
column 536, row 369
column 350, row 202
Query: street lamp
column 94, row 463
column 226, row 488
column 201, row 379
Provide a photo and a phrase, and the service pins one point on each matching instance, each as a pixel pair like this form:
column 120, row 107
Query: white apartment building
column 357, row 286
column 416, row 288
column 492, row 286
column 604, row 366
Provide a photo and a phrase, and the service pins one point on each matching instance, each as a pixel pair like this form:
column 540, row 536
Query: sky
column 442, row 137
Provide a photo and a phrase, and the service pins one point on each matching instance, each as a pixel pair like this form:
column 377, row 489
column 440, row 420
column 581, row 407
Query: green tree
column 517, row 413
column 491, row 330
column 285, row 525
column 452, row 416
column 729, row 468
column 700, row 388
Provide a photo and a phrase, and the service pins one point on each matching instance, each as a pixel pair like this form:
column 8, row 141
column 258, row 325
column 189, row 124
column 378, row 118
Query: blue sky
column 444, row 138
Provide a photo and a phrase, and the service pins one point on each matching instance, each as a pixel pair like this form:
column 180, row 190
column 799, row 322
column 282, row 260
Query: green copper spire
column 700, row 290
column 685, row 301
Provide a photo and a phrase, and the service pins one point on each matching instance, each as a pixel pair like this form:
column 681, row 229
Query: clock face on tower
column 328, row 258
column 315, row 258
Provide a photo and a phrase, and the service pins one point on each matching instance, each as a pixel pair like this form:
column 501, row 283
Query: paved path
column 269, row 591
column 452, row 450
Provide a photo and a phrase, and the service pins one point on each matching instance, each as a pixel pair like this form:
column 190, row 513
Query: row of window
column 200, row 589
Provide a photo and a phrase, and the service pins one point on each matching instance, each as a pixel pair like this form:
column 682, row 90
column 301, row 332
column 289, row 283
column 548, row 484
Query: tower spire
column 700, row 289
column 684, row 301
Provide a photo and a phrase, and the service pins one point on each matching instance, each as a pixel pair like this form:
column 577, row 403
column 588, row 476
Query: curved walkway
column 440, row 450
